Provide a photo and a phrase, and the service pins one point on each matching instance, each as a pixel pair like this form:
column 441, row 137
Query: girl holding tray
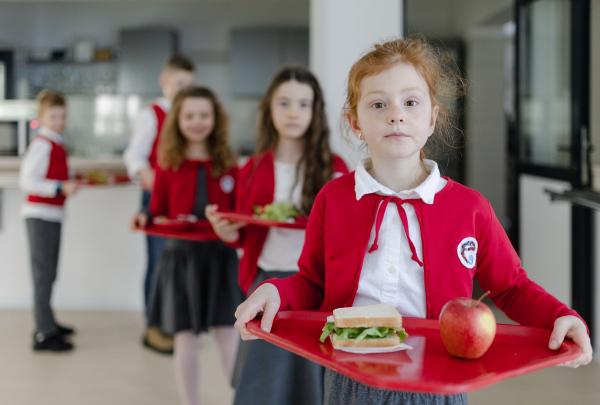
column 415, row 239
column 195, row 287
column 292, row 163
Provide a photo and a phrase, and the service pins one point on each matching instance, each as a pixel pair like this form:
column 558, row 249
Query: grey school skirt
column 269, row 375
column 341, row 390
column 195, row 287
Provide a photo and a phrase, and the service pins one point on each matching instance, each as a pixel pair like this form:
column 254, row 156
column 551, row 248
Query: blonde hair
column 48, row 99
column 172, row 145
column 444, row 83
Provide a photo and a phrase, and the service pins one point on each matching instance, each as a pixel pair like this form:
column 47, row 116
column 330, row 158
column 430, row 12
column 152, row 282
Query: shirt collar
column 50, row 134
column 366, row 184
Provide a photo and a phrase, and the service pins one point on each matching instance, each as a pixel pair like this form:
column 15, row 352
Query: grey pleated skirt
column 269, row 375
column 341, row 390
column 195, row 287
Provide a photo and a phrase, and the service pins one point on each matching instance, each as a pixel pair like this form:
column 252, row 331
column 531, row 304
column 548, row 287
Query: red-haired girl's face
column 394, row 114
column 291, row 109
column 196, row 119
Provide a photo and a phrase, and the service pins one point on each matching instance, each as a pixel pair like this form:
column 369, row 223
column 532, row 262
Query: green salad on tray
column 277, row 211
column 360, row 333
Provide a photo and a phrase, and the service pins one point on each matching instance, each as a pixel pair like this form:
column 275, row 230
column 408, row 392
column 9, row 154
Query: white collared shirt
column 32, row 177
column 283, row 247
column 144, row 133
column 389, row 275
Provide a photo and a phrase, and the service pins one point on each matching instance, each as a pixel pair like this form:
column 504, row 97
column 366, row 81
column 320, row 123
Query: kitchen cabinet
column 142, row 55
column 257, row 53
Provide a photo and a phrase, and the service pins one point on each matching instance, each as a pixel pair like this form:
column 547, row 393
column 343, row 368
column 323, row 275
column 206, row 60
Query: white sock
column 228, row 339
column 185, row 356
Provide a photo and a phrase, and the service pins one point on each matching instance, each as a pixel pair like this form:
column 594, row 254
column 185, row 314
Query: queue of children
column 399, row 248
column 407, row 222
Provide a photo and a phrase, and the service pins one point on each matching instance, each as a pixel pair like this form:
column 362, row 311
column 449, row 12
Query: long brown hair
column 445, row 85
column 316, row 155
column 171, row 150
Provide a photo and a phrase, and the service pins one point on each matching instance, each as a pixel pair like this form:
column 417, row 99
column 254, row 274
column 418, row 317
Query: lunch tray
column 298, row 223
column 428, row 367
column 200, row 231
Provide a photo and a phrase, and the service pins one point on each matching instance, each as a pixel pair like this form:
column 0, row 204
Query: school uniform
column 43, row 167
column 195, row 285
column 266, row 374
column 142, row 153
column 416, row 250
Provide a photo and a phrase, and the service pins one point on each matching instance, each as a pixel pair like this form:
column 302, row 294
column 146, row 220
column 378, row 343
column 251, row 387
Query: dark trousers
column 44, row 245
column 154, row 247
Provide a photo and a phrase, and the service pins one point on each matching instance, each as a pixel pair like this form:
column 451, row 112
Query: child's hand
column 226, row 230
column 138, row 221
column 265, row 299
column 147, row 176
column 574, row 329
column 69, row 187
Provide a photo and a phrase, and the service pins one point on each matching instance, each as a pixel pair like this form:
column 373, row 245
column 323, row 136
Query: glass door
column 552, row 89
column 552, row 117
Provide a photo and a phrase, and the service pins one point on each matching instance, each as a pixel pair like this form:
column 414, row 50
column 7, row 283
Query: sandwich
column 369, row 326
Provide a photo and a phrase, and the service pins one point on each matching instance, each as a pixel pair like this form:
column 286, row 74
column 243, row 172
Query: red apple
column 467, row 327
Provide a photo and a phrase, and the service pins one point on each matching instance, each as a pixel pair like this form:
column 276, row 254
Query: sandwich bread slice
column 369, row 326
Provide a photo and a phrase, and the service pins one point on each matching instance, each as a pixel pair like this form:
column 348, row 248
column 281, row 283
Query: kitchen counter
column 9, row 167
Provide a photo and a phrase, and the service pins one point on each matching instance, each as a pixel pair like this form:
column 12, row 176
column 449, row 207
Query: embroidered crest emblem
column 227, row 183
column 467, row 252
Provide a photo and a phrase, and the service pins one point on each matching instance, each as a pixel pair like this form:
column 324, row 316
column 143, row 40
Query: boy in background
column 44, row 178
column 141, row 161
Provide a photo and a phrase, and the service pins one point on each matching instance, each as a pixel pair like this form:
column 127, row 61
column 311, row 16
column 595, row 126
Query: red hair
column 444, row 83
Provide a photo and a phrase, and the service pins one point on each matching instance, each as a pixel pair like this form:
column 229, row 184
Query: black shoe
column 56, row 343
column 65, row 330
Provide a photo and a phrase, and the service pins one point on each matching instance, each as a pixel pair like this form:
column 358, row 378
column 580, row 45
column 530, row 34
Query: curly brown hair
column 445, row 84
column 172, row 145
column 316, row 159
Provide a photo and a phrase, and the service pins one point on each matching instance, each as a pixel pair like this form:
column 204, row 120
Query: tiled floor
column 110, row 367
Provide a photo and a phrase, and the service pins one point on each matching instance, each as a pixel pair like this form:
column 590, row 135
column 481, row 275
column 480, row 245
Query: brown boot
column 155, row 340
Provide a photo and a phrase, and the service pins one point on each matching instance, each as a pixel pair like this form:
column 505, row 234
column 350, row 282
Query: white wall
column 101, row 262
column 545, row 234
column 203, row 29
column 486, row 151
column 340, row 32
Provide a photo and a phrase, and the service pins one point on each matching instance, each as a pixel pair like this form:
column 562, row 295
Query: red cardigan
column 256, row 186
column 336, row 241
column 57, row 170
column 174, row 191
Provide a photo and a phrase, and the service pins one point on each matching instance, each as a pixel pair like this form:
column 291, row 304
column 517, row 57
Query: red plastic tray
column 201, row 231
column 174, row 225
column 427, row 367
column 112, row 180
column 299, row 223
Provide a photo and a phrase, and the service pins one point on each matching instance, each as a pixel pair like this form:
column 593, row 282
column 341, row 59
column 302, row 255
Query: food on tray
column 467, row 327
column 97, row 177
column 369, row 326
column 277, row 211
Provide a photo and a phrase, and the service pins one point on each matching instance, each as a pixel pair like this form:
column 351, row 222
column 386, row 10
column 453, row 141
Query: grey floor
column 109, row 366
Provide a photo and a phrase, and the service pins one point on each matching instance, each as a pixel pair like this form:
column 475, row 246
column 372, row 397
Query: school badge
column 467, row 252
column 227, row 183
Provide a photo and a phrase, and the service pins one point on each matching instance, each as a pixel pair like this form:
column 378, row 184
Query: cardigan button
column 395, row 221
column 392, row 270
